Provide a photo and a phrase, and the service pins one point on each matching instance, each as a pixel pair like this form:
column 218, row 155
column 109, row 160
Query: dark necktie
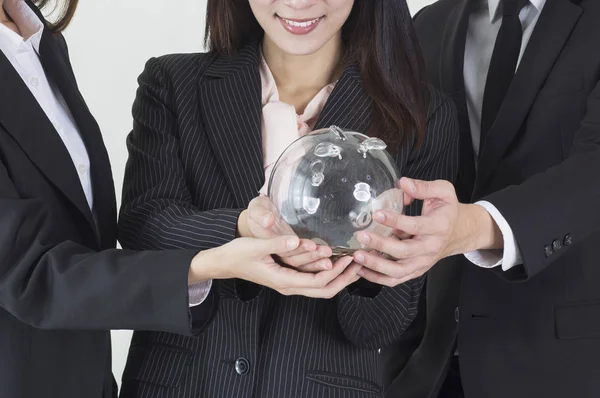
column 503, row 63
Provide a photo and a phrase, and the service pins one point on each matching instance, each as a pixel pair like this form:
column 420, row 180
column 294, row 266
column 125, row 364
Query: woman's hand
column 262, row 220
column 252, row 260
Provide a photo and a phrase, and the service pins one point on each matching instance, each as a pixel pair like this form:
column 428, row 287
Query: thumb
column 418, row 189
column 278, row 245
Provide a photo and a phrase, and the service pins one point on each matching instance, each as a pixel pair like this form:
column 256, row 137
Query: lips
column 299, row 26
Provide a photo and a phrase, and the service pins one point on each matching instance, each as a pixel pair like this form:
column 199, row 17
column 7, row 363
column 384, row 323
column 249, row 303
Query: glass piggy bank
column 327, row 185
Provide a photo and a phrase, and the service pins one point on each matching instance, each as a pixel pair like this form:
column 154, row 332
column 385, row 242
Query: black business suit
column 58, row 297
column 195, row 163
column 533, row 331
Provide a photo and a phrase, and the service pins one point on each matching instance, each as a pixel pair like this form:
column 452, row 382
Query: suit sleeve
column 158, row 210
column 560, row 204
column 49, row 283
column 374, row 316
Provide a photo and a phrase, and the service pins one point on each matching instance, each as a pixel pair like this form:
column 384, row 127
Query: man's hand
column 445, row 228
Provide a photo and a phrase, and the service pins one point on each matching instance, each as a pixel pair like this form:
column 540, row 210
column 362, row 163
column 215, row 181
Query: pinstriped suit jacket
column 195, row 163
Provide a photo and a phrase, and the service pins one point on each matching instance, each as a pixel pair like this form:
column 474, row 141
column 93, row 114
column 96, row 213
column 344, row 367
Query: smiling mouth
column 299, row 26
column 300, row 23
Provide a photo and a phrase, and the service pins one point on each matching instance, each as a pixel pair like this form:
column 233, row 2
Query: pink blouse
column 281, row 125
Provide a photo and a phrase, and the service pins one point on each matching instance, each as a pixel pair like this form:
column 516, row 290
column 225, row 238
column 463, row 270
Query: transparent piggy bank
column 327, row 185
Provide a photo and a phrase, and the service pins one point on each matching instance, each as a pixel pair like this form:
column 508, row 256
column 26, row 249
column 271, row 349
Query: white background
column 109, row 43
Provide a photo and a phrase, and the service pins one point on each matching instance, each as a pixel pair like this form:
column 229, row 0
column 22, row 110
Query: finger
column 385, row 280
column 316, row 266
column 382, row 265
column 346, row 278
column 280, row 245
column 306, row 245
column 261, row 216
column 407, row 199
column 411, row 225
column 290, row 278
column 401, row 234
column 392, row 246
column 306, row 257
column 419, row 189
column 377, row 278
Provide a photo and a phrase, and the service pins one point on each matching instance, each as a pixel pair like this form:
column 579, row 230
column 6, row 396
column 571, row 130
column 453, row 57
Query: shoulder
column 436, row 12
column 181, row 67
column 439, row 103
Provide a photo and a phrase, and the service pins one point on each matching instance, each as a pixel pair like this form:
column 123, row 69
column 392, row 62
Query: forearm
column 375, row 322
column 176, row 225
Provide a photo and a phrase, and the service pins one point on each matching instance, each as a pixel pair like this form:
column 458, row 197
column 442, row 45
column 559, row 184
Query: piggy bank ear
column 371, row 144
column 328, row 150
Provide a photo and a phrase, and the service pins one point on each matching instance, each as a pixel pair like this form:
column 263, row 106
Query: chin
column 298, row 48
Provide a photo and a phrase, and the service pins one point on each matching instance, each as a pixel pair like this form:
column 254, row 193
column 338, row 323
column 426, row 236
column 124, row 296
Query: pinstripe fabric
column 195, row 162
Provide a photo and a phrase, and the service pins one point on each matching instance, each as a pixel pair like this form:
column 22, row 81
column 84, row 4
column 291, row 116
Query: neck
column 3, row 15
column 301, row 77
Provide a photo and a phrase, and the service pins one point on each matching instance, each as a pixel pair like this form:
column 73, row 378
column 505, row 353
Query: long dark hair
column 65, row 8
column 378, row 36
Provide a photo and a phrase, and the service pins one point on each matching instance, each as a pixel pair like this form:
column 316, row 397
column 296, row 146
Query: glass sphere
column 326, row 186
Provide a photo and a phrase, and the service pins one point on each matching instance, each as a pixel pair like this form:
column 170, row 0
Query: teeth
column 301, row 24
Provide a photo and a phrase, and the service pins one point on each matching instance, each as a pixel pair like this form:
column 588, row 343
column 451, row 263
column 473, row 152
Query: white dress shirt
column 23, row 54
column 484, row 24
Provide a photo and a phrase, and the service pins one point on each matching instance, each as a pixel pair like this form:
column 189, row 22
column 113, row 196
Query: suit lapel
column 26, row 122
column 452, row 82
column 58, row 70
column 348, row 106
column 230, row 93
column 550, row 35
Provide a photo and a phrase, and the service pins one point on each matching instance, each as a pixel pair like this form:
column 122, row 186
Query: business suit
column 195, row 162
column 533, row 330
column 59, row 295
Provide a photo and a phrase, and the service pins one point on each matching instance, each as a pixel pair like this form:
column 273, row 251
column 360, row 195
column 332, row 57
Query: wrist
column 482, row 231
column 207, row 265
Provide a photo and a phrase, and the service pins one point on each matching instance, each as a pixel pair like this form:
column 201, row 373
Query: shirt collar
column 494, row 5
column 29, row 24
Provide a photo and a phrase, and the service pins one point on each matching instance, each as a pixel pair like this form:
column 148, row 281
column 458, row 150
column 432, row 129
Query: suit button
column 456, row 314
column 556, row 245
column 568, row 240
column 548, row 250
column 242, row 366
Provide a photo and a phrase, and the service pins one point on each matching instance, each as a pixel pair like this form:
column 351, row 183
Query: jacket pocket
column 578, row 321
column 345, row 382
column 157, row 364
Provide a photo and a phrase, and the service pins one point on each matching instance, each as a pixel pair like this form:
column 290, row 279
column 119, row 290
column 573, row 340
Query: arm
column 560, row 204
column 543, row 234
column 375, row 316
column 50, row 283
column 158, row 211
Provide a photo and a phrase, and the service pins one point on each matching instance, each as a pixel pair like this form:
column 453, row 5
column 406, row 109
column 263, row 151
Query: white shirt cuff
column 509, row 257
column 198, row 292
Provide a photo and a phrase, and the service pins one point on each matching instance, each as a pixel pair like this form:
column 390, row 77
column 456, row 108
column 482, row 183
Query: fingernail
column 411, row 185
column 379, row 217
column 292, row 243
column 359, row 258
column 327, row 266
column 364, row 238
column 360, row 272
